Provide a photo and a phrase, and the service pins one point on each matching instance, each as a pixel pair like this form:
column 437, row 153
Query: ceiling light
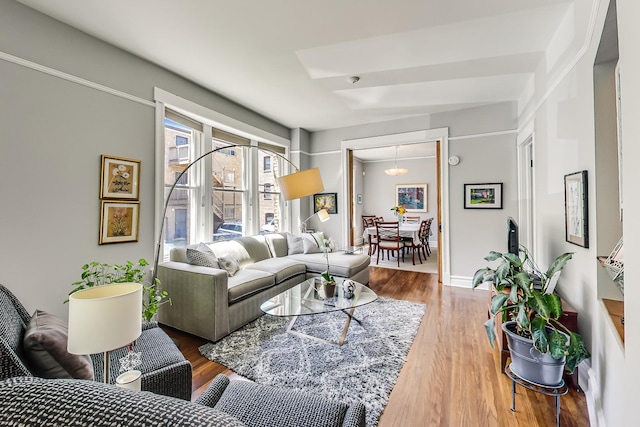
column 395, row 171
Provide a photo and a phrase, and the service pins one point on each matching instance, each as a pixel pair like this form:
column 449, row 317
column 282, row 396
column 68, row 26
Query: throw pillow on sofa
column 202, row 256
column 295, row 244
column 45, row 347
column 313, row 242
column 229, row 264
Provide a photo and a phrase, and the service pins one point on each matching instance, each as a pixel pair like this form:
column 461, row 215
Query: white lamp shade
column 323, row 215
column 301, row 184
column 104, row 318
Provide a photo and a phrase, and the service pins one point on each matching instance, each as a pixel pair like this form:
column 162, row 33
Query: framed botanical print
column 576, row 211
column 328, row 201
column 412, row 197
column 119, row 221
column 119, row 178
column 483, row 196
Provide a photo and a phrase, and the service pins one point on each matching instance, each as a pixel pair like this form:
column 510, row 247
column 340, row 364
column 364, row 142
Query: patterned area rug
column 364, row 369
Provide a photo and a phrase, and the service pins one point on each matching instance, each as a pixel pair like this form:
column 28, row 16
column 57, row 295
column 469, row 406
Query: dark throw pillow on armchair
column 45, row 347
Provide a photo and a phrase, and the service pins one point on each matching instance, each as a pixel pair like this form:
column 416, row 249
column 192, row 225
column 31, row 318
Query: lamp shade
column 104, row 318
column 301, row 184
column 323, row 215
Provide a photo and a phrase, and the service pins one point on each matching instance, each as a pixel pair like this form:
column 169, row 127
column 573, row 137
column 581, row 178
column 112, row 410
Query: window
column 212, row 201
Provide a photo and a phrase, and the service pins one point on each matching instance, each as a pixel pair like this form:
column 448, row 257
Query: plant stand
column 556, row 392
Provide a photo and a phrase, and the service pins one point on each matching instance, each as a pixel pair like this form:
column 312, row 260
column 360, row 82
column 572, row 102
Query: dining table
column 406, row 229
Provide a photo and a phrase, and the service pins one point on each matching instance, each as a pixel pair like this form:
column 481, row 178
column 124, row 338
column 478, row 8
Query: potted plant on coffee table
column 539, row 344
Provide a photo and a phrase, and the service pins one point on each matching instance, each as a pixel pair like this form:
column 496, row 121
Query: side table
column 560, row 390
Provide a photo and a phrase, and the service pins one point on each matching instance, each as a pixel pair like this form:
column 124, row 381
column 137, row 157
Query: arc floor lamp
column 293, row 186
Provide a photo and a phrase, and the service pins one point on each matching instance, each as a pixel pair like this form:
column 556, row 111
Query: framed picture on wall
column 328, row 201
column 575, row 209
column 119, row 222
column 483, row 196
column 119, row 178
column 412, row 197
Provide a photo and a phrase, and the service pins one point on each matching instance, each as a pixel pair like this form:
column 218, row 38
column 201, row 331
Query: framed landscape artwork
column 119, row 178
column 328, row 201
column 483, row 196
column 119, row 222
column 575, row 209
column 413, row 197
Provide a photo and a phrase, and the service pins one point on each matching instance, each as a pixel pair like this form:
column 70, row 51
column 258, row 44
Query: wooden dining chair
column 370, row 221
column 414, row 246
column 411, row 219
column 389, row 240
column 425, row 232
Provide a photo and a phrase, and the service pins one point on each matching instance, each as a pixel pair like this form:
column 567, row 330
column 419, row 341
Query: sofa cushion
column 45, row 347
column 248, row 282
column 202, row 256
column 228, row 264
column 295, row 244
column 245, row 250
column 282, row 268
column 277, row 243
column 340, row 264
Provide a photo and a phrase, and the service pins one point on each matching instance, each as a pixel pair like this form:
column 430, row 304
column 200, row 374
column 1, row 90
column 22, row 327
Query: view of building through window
column 228, row 178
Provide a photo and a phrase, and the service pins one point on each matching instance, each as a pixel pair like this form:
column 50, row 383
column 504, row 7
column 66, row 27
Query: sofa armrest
column 199, row 299
column 214, row 391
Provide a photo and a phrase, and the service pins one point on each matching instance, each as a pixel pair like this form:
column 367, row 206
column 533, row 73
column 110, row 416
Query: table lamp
column 104, row 318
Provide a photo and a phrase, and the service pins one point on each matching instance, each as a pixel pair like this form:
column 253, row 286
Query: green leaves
column 576, row 352
column 558, row 264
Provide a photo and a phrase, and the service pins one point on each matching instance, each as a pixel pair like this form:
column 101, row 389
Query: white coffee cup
column 130, row 379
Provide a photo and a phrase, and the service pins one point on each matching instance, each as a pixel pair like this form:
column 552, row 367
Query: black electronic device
column 513, row 241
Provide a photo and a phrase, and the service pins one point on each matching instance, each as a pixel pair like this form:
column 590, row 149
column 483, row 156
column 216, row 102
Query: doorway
column 381, row 188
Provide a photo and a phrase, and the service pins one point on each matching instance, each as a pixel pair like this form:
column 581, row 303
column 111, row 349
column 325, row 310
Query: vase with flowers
column 328, row 281
column 399, row 211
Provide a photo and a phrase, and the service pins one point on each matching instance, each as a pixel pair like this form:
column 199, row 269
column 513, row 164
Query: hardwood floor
column 451, row 377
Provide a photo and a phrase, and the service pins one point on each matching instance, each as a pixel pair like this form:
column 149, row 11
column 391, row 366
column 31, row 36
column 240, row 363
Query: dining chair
column 370, row 221
column 424, row 236
column 414, row 246
column 411, row 219
column 388, row 233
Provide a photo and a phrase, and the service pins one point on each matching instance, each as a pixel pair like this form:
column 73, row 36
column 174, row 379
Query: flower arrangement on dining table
column 328, row 245
column 398, row 210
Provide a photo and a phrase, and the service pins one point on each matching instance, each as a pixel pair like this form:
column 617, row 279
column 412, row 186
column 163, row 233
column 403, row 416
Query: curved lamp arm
column 293, row 186
column 323, row 216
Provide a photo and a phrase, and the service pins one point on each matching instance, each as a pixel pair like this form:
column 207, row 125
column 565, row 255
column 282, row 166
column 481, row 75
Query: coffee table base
column 349, row 314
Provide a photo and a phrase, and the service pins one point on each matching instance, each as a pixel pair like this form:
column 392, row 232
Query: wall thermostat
column 454, row 160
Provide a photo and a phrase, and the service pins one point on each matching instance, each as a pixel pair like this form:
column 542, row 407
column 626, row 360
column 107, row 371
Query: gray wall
column 494, row 162
column 52, row 133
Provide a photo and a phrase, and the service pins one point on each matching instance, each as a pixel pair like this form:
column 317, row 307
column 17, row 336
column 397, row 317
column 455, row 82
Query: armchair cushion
column 45, row 347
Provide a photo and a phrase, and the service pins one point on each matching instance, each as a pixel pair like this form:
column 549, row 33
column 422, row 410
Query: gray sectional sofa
column 211, row 303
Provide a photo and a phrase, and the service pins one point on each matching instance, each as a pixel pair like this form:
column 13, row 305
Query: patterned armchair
column 164, row 369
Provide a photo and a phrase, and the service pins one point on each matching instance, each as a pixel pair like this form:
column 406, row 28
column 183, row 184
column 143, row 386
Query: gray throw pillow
column 45, row 347
column 229, row 264
column 310, row 244
column 295, row 244
column 202, row 256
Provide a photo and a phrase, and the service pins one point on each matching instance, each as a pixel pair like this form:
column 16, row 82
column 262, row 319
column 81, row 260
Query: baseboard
column 465, row 282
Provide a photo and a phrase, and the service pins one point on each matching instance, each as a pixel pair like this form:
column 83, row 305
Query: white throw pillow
column 295, row 244
column 229, row 264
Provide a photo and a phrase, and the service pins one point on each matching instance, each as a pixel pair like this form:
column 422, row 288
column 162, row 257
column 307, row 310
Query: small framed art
column 412, row 197
column 119, row 222
column 119, row 178
column 328, row 201
column 483, row 196
column 575, row 208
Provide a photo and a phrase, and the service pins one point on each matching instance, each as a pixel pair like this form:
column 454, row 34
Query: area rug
column 364, row 369
column 430, row 265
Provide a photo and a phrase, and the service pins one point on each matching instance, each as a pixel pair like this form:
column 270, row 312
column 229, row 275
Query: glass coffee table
column 307, row 298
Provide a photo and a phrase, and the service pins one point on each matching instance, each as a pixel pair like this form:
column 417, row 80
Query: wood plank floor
column 451, row 377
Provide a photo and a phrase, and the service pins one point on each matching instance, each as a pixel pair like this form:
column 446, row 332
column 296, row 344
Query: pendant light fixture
column 395, row 171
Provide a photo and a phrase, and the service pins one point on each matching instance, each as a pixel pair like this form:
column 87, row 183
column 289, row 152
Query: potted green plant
column 329, row 282
column 539, row 344
column 97, row 274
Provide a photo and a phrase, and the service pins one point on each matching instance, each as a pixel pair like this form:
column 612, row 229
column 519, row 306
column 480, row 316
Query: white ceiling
column 291, row 60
